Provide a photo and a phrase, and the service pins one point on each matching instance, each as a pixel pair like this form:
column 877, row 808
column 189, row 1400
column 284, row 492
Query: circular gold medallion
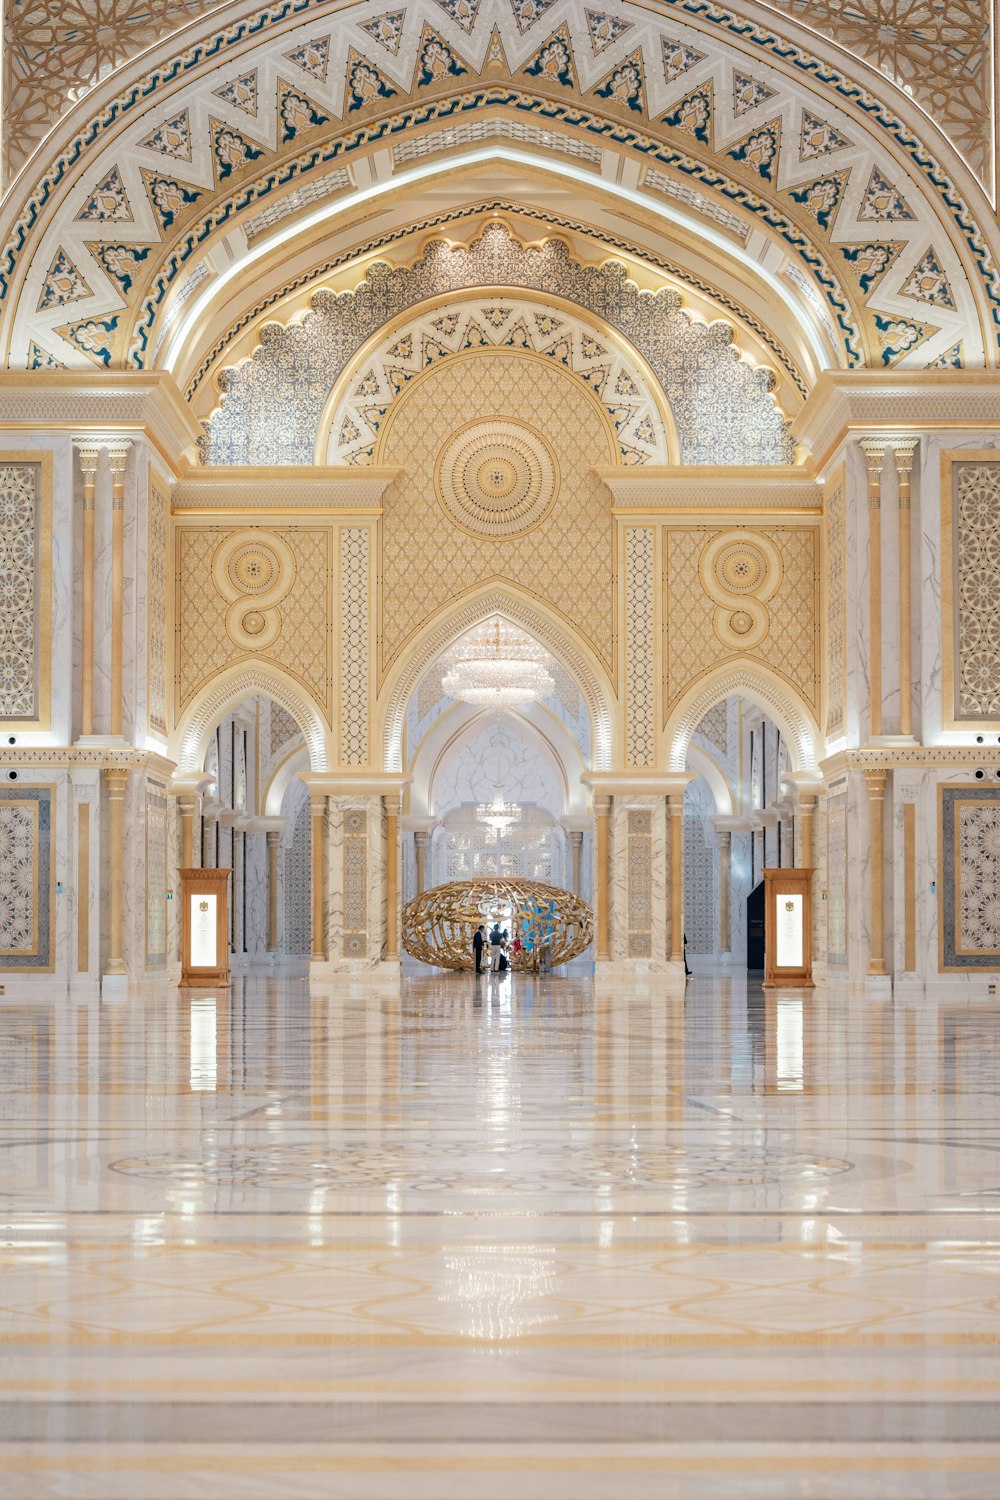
column 496, row 478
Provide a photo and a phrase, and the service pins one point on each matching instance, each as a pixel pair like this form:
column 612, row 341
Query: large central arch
column 517, row 606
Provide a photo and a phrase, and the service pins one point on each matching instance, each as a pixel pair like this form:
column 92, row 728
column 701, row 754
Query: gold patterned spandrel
column 223, row 620
column 708, row 622
column 427, row 559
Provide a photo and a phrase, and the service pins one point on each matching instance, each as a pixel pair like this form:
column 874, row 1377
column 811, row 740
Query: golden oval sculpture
column 553, row 925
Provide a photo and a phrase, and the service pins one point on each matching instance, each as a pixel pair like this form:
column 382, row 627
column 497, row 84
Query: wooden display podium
column 788, row 928
column 205, row 929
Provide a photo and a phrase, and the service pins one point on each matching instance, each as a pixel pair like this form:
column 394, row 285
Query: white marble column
column 117, row 459
column 874, row 451
column 421, row 842
column 88, row 455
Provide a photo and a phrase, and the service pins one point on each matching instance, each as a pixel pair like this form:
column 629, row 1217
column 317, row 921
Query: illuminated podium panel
column 787, row 927
column 205, row 928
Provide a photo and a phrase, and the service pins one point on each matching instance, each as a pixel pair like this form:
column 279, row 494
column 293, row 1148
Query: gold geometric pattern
column 496, row 479
column 18, row 622
column 283, row 728
column 18, row 877
column 979, row 892
column 254, row 570
column 741, row 571
column 205, row 646
column 836, row 863
column 156, row 877
column 354, row 653
column 640, row 747
column 977, row 590
column 427, row 559
column 694, row 642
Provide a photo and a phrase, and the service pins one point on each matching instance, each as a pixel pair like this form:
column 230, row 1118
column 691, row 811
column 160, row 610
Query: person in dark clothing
column 477, row 948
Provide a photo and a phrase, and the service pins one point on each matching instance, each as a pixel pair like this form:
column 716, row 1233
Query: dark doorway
column 755, row 929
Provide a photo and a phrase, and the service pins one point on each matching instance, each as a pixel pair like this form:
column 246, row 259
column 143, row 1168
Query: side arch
column 527, row 614
column 229, row 688
column 763, row 687
column 700, row 761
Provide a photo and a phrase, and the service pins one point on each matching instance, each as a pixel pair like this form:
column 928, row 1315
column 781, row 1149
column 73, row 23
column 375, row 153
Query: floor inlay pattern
column 549, row 1238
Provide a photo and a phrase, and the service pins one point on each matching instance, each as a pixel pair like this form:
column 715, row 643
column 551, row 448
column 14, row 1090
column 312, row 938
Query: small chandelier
column 498, row 814
column 496, row 667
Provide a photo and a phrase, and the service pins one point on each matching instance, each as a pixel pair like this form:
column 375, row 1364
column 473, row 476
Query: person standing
column 496, row 946
column 477, row 948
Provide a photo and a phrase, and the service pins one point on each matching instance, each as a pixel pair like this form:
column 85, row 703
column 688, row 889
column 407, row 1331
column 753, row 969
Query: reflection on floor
column 499, row 1237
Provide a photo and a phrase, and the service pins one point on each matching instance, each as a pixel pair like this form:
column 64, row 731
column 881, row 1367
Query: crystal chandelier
column 498, row 814
column 495, row 666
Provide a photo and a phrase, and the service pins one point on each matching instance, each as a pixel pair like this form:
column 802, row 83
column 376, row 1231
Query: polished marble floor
column 448, row 1238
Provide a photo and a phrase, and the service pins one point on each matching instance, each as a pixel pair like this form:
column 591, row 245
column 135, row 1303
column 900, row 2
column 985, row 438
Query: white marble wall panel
column 498, row 755
column 102, row 598
column 409, row 868
column 856, row 638
column 618, row 880
column 174, row 850
column 858, row 877
column 295, row 873
column 740, row 867
column 64, row 529
column 819, row 887
column 256, row 896
column 835, row 829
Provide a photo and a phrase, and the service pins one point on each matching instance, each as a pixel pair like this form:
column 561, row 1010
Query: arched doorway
column 463, row 756
column 748, row 806
column 255, row 820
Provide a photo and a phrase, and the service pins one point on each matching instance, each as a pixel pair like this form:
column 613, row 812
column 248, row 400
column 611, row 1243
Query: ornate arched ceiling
column 941, row 56
column 172, row 214
column 324, row 386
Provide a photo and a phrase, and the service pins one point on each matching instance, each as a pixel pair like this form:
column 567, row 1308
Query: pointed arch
column 524, row 612
column 765, row 688
column 232, row 687
column 699, row 760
